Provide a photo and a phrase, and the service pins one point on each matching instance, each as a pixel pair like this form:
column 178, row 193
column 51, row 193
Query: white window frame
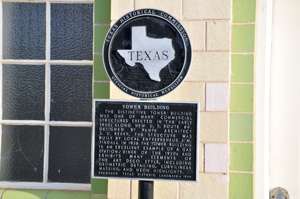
column 263, row 51
column 45, row 123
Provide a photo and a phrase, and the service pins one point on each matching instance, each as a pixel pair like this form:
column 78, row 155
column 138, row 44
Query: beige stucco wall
column 208, row 25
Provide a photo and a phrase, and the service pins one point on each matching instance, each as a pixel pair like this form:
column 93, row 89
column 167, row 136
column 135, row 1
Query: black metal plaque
column 145, row 140
column 147, row 53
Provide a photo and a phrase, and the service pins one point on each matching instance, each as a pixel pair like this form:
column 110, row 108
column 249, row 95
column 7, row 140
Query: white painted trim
column 23, row 122
column 48, row 31
column 49, row 186
column 71, row 62
column 262, row 97
column 47, row 95
column 71, row 124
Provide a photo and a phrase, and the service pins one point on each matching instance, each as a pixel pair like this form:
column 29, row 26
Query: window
column 46, row 93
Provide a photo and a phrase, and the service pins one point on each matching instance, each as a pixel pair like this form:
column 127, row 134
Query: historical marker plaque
column 145, row 140
column 147, row 53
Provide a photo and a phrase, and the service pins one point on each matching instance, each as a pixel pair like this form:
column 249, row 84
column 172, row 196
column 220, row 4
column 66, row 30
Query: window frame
column 46, row 123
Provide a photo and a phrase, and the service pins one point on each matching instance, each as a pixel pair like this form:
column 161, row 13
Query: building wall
column 221, row 79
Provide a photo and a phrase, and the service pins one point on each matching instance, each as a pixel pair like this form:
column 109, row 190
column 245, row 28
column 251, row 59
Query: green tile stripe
column 24, row 194
column 241, row 127
column 101, row 90
column 99, row 196
column 68, row 195
column 102, row 18
column 100, row 31
column 242, row 68
column 244, row 11
column 102, row 11
column 242, row 99
column 241, row 157
column 243, row 36
column 241, row 186
column 99, row 186
column 99, row 70
column 42, row 194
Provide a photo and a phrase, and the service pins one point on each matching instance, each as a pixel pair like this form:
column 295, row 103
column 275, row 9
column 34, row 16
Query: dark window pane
column 70, row 154
column 71, row 31
column 23, row 92
column 24, row 30
column 22, row 153
column 71, row 93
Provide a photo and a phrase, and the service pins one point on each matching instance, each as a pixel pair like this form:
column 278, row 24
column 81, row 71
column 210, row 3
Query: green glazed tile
column 241, row 127
column 241, row 98
column 241, row 157
column 99, row 196
column 243, row 38
column 102, row 11
column 24, row 194
column 242, row 68
column 241, row 186
column 99, row 36
column 99, row 186
column 101, row 90
column 99, row 70
column 68, row 195
column 244, row 10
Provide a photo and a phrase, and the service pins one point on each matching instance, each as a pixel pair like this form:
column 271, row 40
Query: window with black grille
column 46, row 92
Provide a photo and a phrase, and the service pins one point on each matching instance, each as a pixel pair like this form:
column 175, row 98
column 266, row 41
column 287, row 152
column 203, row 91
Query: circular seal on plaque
column 147, row 53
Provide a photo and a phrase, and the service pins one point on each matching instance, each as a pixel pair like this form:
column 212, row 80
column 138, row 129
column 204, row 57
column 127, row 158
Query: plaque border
column 106, row 49
column 148, row 179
